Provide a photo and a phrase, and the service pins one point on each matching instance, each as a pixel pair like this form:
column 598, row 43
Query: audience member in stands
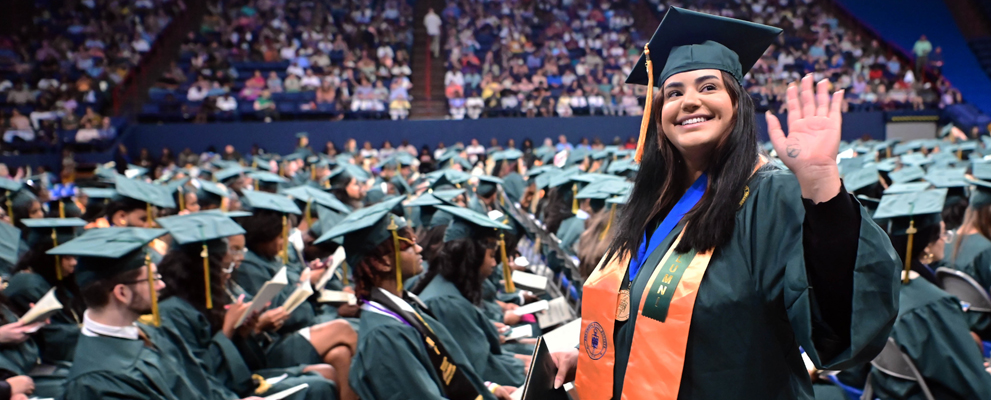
column 921, row 50
column 19, row 126
column 265, row 107
column 433, row 24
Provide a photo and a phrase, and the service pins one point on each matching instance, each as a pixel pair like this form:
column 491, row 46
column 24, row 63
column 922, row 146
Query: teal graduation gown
column 116, row 368
column 933, row 331
column 974, row 259
column 755, row 306
column 57, row 340
column 469, row 326
column 569, row 232
column 514, row 185
column 392, row 361
column 222, row 360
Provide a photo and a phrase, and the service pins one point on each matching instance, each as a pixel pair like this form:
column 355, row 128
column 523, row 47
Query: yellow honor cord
column 394, row 229
column 908, row 250
column 612, row 213
column 156, row 317
column 308, row 213
column 58, row 259
column 574, row 198
column 507, row 273
column 206, row 276
column 645, row 121
column 284, row 251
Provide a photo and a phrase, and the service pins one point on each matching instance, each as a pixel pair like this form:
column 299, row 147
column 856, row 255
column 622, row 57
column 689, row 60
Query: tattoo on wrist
column 793, row 150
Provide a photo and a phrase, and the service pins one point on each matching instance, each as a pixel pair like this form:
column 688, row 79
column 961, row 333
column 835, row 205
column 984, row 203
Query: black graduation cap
column 688, row 41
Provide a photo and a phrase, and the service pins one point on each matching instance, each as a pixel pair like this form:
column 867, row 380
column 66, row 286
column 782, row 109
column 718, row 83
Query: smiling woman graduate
column 724, row 265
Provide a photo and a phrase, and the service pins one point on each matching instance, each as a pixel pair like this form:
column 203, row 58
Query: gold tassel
column 908, row 251
column 313, row 173
column 574, row 198
column 254, row 162
column 10, row 208
column 395, row 243
column 206, row 276
column 156, row 317
column 151, row 217
column 182, row 199
column 256, row 184
column 960, row 154
column 645, row 121
column 612, row 213
column 284, row 252
column 344, row 273
column 61, row 209
column 507, row 273
column 58, row 259
column 308, row 213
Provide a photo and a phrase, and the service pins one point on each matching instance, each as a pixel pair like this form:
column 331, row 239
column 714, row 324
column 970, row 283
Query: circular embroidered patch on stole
column 623, row 306
column 594, row 341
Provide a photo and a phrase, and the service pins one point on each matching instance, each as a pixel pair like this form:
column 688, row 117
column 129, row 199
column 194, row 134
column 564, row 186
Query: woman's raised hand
column 813, row 141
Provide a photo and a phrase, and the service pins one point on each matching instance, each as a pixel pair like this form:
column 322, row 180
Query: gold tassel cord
column 645, row 121
column 61, row 209
column 205, row 255
column 908, row 251
column 284, row 251
column 612, row 214
column 308, row 213
column 151, row 217
column 507, row 273
column 182, row 199
column 344, row 273
column 574, row 199
column 10, row 208
column 394, row 229
column 58, row 259
column 156, row 317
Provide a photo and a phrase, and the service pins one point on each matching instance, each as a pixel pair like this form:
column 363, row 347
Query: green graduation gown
column 974, row 259
column 469, row 326
column 569, row 232
column 755, row 306
column 277, row 349
column 514, row 185
column 222, row 360
column 116, row 368
column 22, row 358
column 933, row 331
column 392, row 361
column 57, row 340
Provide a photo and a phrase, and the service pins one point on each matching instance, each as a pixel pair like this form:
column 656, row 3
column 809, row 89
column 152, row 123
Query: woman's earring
column 927, row 258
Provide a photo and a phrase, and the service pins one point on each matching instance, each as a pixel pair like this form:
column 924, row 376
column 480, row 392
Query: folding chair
column 893, row 362
column 965, row 288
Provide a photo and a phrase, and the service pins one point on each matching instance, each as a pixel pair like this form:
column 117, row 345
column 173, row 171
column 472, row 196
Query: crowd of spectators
column 816, row 41
column 56, row 75
column 267, row 58
column 557, row 57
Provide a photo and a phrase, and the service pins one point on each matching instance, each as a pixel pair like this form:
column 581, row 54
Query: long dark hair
column 261, row 227
column 182, row 271
column 431, row 240
column 661, row 181
column 458, row 261
column 557, row 207
column 67, row 291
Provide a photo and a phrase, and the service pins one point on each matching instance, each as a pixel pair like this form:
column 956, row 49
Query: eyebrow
column 697, row 81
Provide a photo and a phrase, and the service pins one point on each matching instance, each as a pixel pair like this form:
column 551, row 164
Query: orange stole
column 657, row 354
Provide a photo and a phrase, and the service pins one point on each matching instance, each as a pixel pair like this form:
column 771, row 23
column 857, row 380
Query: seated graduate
column 37, row 273
column 931, row 328
column 117, row 357
column 345, row 187
column 195, row 306
column 507, row 167
column 403, row 352
column 970, row 253
column 136, row 204
column 97, row 200
column 305, row 338
column 452, row 290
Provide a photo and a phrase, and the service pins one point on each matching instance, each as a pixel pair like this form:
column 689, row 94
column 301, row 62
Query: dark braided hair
column 365, row 273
